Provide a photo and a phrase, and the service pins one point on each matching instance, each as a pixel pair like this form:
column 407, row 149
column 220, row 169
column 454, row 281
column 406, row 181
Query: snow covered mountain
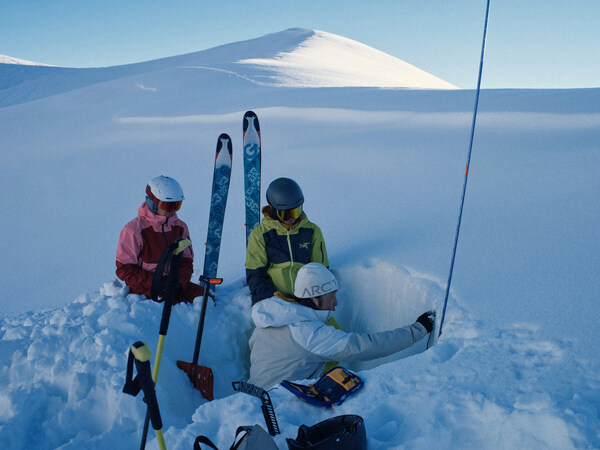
column 327, row 60
column 291, row 58
column 22, row 62
column 381, row 170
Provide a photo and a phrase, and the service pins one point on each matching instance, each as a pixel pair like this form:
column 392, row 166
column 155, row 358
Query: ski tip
column 224, row 141
column 250, row 118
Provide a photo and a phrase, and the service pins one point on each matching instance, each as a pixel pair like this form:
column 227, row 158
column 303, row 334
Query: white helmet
column 166, row 189
column 313, row 280
column 164, row 192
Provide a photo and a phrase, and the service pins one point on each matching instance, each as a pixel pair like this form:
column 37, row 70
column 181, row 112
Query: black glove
column 426, row 319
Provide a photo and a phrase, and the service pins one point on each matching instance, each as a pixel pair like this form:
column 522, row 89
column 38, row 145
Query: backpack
column 246, row 438
column 342, row 432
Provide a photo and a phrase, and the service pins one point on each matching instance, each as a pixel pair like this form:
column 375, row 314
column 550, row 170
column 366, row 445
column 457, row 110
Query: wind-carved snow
column 328, row 60
column 145, row 88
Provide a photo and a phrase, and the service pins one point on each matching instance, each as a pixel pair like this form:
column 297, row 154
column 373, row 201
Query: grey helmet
column 284, row 194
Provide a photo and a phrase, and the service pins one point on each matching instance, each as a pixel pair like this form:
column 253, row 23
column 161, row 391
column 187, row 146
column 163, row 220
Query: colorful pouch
column 331, row 389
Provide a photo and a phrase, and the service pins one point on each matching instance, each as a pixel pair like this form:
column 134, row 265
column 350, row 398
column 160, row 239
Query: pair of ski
column 220, row 188
column 202, row 377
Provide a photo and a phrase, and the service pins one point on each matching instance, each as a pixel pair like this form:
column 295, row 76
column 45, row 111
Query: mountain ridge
column 5, row 59
column 291, row 58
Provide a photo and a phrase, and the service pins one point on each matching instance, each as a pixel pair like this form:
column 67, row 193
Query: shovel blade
column 201, row 377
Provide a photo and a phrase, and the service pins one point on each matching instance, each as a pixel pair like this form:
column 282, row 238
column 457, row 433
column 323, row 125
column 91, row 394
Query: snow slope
column 325, row 59
column 10, row 60
column 294, row 57
column 381, row 170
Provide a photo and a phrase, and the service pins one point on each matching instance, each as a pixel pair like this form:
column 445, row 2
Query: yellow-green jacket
column 277, row 251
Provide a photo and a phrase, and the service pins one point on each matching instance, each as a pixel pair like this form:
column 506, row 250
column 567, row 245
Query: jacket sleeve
column 257, row 264
column 331, row 344
column 185, row 272
column 319, row 251
column 128, row 270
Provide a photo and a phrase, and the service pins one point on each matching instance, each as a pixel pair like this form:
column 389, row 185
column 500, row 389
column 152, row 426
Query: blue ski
column 218, row 202
column 251, row 171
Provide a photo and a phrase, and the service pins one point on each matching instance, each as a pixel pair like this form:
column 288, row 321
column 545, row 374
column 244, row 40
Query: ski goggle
column 170, row 206
column 287, row 214
column 165, row 206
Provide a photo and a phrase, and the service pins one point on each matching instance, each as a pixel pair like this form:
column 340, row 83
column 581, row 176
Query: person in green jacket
column 284, row 241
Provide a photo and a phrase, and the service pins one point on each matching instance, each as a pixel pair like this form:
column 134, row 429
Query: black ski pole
column 207, row 283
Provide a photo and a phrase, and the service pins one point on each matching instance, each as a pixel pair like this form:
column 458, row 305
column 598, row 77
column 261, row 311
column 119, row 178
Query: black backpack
column 342, row 432
column 246, row 438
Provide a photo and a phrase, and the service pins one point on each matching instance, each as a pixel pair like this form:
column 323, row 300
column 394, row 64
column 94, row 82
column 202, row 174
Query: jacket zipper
column 291, row 260
column 168, row 263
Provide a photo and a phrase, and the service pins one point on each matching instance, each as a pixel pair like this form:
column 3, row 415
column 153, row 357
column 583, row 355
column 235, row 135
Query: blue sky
column 531, row 44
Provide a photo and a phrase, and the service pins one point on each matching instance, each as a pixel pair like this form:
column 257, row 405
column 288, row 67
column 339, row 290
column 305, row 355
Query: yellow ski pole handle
column 182, row 244
column 141, row 351
column 161, row 439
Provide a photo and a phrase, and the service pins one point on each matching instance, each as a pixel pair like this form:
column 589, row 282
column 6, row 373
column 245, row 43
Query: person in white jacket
column 292, row 342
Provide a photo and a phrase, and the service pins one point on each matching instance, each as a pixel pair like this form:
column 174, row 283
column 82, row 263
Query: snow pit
column 68, row 364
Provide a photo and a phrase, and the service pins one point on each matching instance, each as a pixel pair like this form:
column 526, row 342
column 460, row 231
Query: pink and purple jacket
column 141, row 244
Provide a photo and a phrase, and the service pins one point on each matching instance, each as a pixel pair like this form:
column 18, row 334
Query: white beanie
column 313, row 280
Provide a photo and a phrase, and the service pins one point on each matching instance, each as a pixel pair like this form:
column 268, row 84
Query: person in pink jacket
column 144, row 239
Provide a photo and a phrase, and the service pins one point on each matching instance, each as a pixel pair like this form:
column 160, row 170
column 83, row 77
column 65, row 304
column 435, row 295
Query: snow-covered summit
column 322, row 59
column 299, row 57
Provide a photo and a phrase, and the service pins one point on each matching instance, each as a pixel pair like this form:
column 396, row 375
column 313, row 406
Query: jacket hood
column 275, row 312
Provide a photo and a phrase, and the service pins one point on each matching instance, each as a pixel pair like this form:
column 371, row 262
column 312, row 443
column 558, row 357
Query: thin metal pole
column 464, row 190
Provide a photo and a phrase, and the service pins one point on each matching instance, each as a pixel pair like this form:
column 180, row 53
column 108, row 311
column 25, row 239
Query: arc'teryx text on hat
column 320, row 289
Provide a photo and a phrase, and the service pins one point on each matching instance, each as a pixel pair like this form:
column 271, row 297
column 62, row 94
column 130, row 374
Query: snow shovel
column 201, row 376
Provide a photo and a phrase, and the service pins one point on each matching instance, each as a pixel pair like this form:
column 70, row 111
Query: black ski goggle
column 287, row 214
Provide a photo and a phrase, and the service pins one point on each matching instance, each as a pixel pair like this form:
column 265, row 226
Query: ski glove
column 426, row 320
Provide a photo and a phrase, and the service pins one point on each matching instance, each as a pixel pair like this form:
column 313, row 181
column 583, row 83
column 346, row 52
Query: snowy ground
column 517, row 365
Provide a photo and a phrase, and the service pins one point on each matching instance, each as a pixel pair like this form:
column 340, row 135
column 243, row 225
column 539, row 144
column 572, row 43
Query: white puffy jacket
column 292, row 342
